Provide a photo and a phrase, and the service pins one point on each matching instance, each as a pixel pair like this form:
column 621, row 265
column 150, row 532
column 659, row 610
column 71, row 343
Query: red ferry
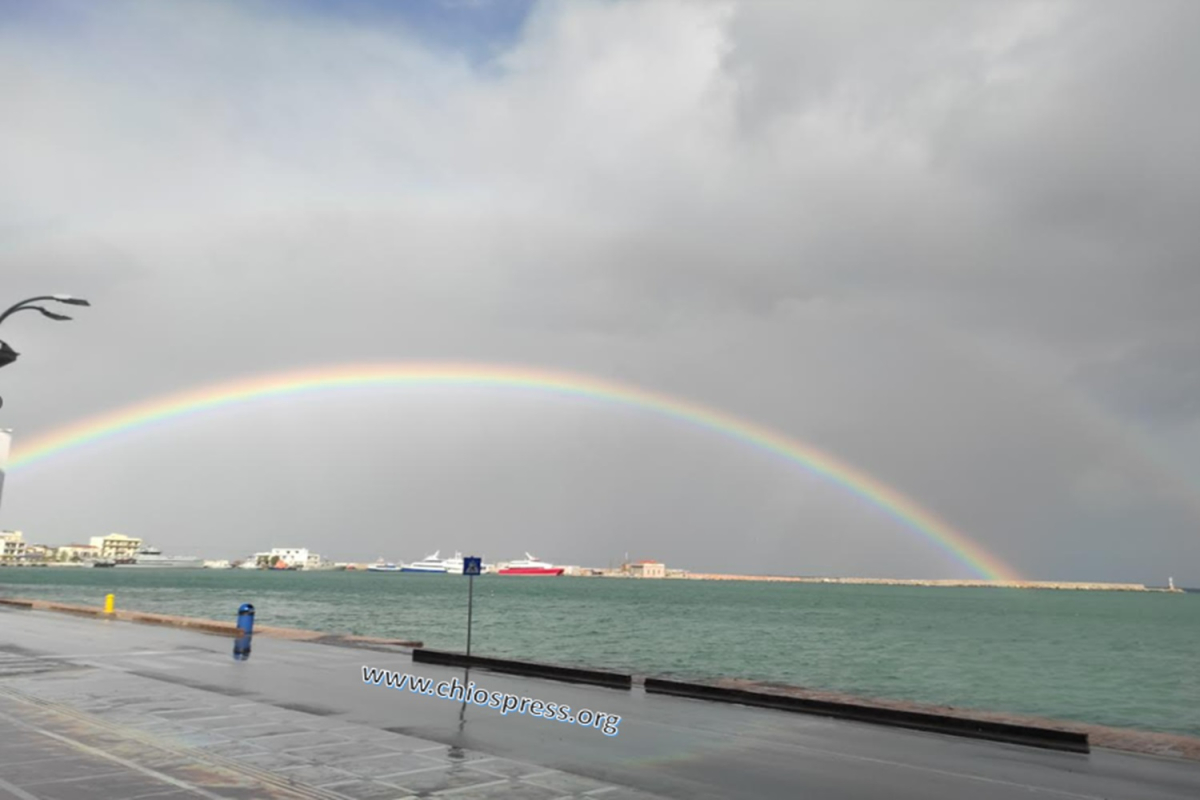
column 531, row 566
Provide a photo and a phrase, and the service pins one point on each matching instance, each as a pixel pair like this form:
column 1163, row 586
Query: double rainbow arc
column 858, row 483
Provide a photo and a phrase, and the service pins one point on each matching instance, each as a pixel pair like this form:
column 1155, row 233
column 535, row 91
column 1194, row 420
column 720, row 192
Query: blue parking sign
column 472, row 565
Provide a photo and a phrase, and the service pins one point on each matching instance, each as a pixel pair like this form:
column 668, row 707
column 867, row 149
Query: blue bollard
column 245, row 620
column 241, row 647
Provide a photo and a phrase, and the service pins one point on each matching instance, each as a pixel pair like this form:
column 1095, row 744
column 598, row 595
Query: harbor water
column 1125, row 659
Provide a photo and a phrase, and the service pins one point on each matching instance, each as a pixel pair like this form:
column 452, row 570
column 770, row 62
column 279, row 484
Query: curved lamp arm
column 7, row 354
column 57, row 298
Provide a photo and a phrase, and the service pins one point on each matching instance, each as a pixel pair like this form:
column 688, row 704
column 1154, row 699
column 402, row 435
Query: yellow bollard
column 108, row 604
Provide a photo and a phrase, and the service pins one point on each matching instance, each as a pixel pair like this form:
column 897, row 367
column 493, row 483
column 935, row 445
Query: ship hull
column 551, row 572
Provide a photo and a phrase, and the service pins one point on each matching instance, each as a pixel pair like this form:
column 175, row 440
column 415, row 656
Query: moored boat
column 454, row 566
column 530, row 566
column 153, row 557
column 384, row 566
column 430, row 565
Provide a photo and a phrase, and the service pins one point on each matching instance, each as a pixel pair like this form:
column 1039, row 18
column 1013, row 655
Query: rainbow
column 856, row 482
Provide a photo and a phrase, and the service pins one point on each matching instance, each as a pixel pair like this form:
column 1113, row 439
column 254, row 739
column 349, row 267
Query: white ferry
column 153, row 557
column 454, row 566
column 530, row 565
column 430, row 565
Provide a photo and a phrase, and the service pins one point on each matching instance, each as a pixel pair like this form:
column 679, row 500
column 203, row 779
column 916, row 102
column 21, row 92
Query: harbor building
column 647, row 569
column 76, row 552
column 316, row 561
column 12, row 547
column 290, row 556
column 38, row 552
column 117, row 546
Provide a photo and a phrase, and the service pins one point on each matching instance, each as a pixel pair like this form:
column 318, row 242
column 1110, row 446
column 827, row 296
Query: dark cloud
column 949, row 243
column 1156, row 383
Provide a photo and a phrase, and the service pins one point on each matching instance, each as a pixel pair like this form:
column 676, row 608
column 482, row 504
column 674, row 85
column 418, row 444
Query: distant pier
column 951, row 582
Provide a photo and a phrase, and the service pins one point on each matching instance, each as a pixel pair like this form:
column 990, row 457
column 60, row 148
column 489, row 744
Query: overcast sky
column 953, row 244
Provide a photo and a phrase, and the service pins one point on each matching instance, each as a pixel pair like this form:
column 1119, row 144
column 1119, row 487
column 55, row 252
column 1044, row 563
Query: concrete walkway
column 108, row 709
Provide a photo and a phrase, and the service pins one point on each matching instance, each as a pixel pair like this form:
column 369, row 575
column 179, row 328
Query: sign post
column 472, row 566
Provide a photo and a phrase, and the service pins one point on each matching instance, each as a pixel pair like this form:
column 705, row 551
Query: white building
column 297, row 557
column 647, row 569
column 38, row 552
column 291, row 556
column 315, row 561
column 12, row 546
column 76, row 552
column 117, row 546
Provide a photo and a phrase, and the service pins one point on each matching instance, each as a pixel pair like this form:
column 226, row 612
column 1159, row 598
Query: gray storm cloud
column 950, row 243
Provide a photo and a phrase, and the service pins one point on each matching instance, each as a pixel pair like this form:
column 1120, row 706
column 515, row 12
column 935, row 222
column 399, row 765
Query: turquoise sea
column 1114, row 658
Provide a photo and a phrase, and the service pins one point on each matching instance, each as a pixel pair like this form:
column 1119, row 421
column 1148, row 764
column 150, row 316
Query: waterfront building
column 12, row 547
column 315, row 561
column 117, row 546
column 38, row 552
column 297, row 557
column 76, row 552
column 647, row 569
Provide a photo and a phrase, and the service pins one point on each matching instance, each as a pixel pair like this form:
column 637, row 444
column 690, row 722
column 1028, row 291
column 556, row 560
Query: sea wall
column 1066, row 585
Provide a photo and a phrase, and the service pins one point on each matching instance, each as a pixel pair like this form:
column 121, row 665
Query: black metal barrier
column 1028, row 735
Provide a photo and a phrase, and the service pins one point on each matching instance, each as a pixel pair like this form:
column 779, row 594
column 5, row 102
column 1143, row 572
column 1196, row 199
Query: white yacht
column 454, row 566
column 384, row 566
column 153, row 557
column 428, row 565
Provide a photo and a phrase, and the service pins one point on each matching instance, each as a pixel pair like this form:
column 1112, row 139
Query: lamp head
column 7, row 354
column 69, row 300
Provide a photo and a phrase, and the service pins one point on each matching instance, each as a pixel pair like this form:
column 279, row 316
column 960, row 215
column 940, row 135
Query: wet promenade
column 95, row 708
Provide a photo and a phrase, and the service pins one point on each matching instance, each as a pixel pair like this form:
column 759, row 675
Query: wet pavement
column 108, row 709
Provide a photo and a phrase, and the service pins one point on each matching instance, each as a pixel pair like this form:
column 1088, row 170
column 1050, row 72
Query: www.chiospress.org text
column 501, row 701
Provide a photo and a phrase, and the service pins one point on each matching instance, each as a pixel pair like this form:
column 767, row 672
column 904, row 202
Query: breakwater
column 959, row 583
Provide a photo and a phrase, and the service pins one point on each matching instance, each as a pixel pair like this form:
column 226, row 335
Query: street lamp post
column 7, row 354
